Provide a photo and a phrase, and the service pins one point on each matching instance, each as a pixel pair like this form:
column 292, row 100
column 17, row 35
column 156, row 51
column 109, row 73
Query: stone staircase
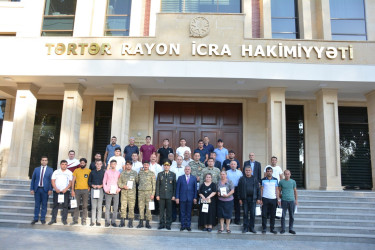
column 322, row 215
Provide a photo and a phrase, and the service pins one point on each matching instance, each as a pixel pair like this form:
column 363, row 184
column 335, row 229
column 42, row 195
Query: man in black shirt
column 248, row 195
column 97, row 157
column 96, row 185
column 163, row 152
column 226, row 163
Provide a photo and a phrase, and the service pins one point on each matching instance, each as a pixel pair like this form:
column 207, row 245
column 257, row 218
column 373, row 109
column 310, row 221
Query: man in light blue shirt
column 110, row 150
column 221, row 152
column 234, row 175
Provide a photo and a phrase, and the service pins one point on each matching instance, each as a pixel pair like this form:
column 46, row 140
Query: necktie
column 41, row 178
column 188, row 179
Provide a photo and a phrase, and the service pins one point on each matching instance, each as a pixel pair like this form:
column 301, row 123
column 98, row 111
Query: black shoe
column 205, row 229
column 140, row 225
column 161, row 227
column 107, row 224
column 65, row 223
column 263, row 231
column 282, row 232
column 98, row 224
column 114, row 225
column 122, row 223
column 83, row 223
column 168, row 227
column 252, row 231
column 33, row 222
column 237, row 223
column 148, row 224
column 182, row 228
column 92, row 224
column 43, row 222
column 51, row 222
column 244, row 230
column 273, row 231
column 73, row 223
column 292, row 232
column 130, row 223
column 209, row 230
column 189, row 229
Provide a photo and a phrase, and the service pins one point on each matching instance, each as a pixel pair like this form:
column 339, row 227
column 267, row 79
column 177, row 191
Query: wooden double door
column 194, row 120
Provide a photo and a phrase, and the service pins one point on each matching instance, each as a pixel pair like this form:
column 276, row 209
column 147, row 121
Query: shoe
column 65, row 223
column 168, row 227
column 114, row 225
column 98, row 224
column 148, row 224
column 205, row 229
column 237, row 223
column 292, row 231
column 282, row 232
column 209, row 230
column 43, row 222
column 182, row 229
column 160, row 227
column 130, row 223
column 244, row 230
column 33, row 222
column 107, row 224
column 273, row 231
column 252, row 231
column 51, row 222
column 189, row 229
column 83, row 223
column 92, row 224
column 73, row 223
column 122, row 223
column 140, row 225
column 263, row 231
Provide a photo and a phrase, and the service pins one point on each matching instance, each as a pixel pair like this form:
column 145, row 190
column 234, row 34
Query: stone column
column 265, row 19
column 329, row 143
column 248, row 26
column 276, row 130
column 6, row 135
column 370, row 21
column 323, row 19
column 121, row 113
column 305, row 24
column 371, row 126
column 83, row 18
column 71, row 120
column 23, row 128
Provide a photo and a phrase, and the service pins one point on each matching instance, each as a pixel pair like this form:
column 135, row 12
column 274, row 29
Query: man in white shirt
column 154, row 166
column 182, row 148
column 277, row 171
column 187, row 159
column 179, row 170
column 61, row 183
column 119, row 159
column 136, row 165
column 171, row 158
column 72, row 162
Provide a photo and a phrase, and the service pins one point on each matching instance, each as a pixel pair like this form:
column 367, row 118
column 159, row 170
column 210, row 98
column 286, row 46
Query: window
column 118, row 18
column 59, row 18
column 348, row 20
column 284, row 15
column 201, row 6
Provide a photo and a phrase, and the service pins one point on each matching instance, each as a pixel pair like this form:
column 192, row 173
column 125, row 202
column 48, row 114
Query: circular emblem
column 199, row 27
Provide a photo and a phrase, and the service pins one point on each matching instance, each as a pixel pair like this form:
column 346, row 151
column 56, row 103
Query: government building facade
column 293, row 79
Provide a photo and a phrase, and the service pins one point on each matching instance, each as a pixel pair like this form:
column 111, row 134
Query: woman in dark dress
column 207, row 192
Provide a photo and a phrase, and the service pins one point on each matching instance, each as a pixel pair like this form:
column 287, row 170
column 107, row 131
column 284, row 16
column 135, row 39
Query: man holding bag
column 112, row 191
column 96, row 183
column 288, row 188
column 146, row 193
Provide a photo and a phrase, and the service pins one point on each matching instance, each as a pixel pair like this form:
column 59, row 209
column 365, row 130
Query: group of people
column 147, row 179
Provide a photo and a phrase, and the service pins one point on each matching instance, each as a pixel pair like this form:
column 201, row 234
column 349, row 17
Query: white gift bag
column 113, row 189
column 205, row 208
column 258, row 211
column 60, row 198
column 223, row 191
column 295, row 209
column 73, row 203
column 129, row 184
column 279, row 212
column 96, row 194
column 151, row 205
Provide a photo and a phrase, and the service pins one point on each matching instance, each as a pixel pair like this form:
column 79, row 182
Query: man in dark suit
column 255, row 167
column 186, row 194
column 41, row 188
column 165, row 194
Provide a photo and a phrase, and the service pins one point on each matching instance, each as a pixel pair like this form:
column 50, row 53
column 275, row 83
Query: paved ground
column 19, row 238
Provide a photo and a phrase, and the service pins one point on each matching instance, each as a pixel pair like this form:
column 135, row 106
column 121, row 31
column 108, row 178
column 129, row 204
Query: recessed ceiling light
column 240, row 82
column 160, row 80
column 82, row 79
column 323, row 85
column 7, row 78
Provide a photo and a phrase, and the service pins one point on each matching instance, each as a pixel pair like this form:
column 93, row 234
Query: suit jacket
column 47, row 176
column 257, row 173
column 166, row 185
column 184, row 191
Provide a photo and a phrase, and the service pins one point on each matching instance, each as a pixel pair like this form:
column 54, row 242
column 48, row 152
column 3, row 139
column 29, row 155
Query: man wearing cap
column 165, row 194
column 146, row 193
column 221, row 152
column 130, row 149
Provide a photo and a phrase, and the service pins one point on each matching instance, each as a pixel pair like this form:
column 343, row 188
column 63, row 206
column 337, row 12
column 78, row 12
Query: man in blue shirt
column 270, row 199
column 234, row 175
column 202, row 151
column 221, row 152
column 210, row 148
column 110, row 150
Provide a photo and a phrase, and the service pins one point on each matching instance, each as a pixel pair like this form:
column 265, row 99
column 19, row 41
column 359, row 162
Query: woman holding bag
column 207, row 207
column 225, row 190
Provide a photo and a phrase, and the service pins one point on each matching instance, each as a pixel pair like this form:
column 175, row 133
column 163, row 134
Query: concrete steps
column 326, row 216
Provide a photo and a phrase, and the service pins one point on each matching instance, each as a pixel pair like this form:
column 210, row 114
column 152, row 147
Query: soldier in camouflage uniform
column 127, row 183
column 215, row 172
column 197, row 167
column 146, row 193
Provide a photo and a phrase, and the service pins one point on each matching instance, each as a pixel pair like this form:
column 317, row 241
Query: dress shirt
column 42, row 170
column 96, row 177
column 178, row 171
column 110, row 178
column 136, row 166
column 186, row 162
column 234, row 176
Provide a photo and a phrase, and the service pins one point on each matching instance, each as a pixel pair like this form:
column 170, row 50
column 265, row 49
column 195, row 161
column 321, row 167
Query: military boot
column 148, row 224
column 130, row 223
column 122, row 223
column 140, row 225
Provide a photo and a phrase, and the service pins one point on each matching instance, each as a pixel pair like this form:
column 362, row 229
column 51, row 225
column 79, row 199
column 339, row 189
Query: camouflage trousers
column 143, row 200
column 127, row 201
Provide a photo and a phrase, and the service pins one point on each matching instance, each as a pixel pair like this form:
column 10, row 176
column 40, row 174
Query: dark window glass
column 348, row 20
column 284, row 15
column 59, row 18
column 2, row 110
column 118, row 18
column 201, row 6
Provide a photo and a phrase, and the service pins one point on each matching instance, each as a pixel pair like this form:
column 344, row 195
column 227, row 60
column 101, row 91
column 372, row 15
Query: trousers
column 269, row 205
column 64, row 205
column 96, row 206
column 41, row 197
column 108, row 200
column 290, row 206
column 84, row 195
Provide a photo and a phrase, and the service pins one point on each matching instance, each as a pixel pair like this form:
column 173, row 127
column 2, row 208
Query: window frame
column 296, row 21
column 183, row 7
column 116, row 15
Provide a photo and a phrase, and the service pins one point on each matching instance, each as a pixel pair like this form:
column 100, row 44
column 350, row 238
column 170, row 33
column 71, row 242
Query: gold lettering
column 72, row 49
column 82, row 46
column 351, row 52
column 106, row 49
column 60, row 49
column 94, row 49
column 49, row 46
